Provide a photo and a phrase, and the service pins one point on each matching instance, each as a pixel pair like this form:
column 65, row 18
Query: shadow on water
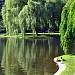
column 30, row 56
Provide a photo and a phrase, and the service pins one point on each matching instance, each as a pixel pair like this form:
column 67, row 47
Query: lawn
column 70, row 64
column 32, row 35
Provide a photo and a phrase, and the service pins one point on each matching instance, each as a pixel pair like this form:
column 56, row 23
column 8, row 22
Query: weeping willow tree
column 31, row 15
column 10, row 13
column 39, row 15
column 27, row 18
column 67, row 27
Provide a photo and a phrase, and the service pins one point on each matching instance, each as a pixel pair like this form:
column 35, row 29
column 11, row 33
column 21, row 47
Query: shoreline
column 61, row 66
column 30, row 35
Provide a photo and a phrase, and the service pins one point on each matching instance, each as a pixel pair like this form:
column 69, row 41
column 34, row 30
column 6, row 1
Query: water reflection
column 2, row 44
column 30, row 56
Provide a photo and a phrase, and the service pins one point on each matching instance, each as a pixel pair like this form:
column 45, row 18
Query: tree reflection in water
column 30, row 56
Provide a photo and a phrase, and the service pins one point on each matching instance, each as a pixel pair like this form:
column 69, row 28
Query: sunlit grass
column 70, row 64
column 32, row 35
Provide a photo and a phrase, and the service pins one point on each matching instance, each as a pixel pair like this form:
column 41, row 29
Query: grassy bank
column 70, row 64
column 32, row 35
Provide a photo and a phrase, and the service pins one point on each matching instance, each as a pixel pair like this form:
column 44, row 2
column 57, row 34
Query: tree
column 67, row 27
column 10, row 12
column 22, row 19
column 31, row 15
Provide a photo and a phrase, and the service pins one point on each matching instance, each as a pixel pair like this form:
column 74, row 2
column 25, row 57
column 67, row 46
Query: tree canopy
column 67, row 27
column 31, row 15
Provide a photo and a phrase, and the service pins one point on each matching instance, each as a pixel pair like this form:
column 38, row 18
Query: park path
column 61, row 66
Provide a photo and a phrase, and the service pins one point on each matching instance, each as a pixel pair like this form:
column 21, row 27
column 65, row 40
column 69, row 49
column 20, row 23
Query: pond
column 29, row 56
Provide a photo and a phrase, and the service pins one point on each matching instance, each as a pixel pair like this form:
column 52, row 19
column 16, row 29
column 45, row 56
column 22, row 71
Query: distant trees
column 67, row 27
column 31, row 15
column 10, row 12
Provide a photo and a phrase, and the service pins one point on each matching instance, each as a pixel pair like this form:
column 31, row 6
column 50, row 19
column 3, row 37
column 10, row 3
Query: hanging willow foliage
column 31, row 15
column 10, row 13
column 67, row 27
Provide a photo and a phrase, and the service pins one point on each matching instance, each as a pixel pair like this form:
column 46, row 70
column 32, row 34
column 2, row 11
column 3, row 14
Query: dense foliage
column 67, row 27
column 2, row 28
column 32, row 15
column 10, row 12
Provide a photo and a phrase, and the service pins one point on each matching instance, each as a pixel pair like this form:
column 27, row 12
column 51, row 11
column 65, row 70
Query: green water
column 28, row 56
